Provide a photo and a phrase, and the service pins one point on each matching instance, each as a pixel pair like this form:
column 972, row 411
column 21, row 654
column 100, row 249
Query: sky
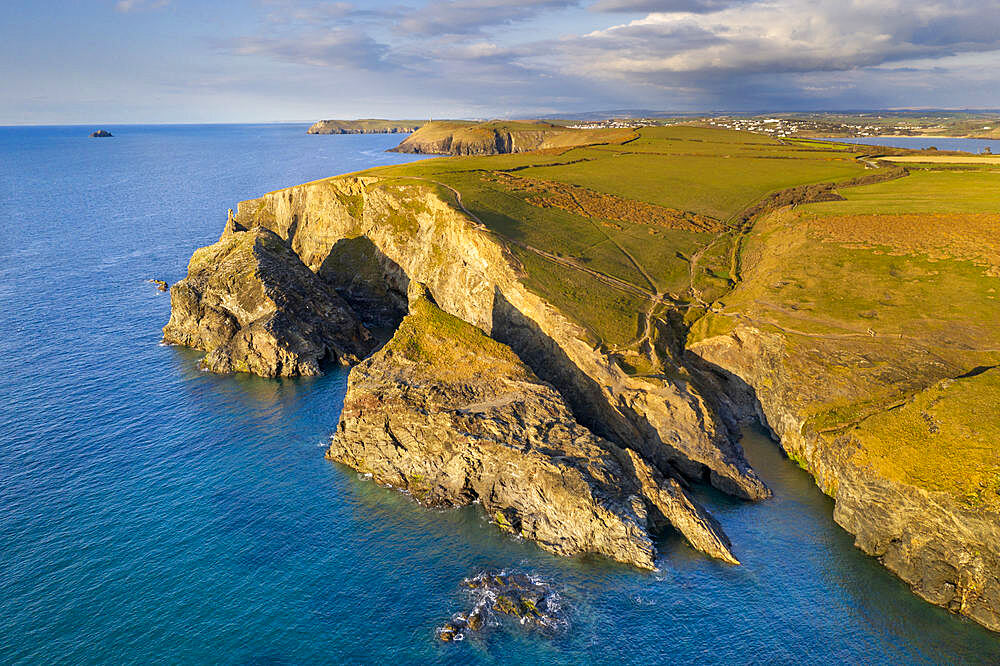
column 114, row 61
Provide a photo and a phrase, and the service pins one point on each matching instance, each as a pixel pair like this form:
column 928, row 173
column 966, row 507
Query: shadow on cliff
column 371, row 283
column 729, row 395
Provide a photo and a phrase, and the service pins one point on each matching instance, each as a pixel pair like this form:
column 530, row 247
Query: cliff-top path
column 664, row 285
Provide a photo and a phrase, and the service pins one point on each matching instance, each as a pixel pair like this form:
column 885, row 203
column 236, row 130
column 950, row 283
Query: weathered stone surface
column 251, row 303
column 527, row 600
column 946, row 549
column 473, row 276
column 670, row 504
column 452, row 416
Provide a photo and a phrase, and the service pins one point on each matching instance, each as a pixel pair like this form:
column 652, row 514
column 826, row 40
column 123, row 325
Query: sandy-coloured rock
column 251, row 303
column 453, row 417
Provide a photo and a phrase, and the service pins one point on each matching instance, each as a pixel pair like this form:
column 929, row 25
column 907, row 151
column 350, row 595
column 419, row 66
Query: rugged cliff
column 869, row 347
column 364, row 126
column 251, row 303
column 453, row 416
column 415, row 234
column 946, row 548
column 495, row 138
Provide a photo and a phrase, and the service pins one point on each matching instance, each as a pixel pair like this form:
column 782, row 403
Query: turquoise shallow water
column 150, row 512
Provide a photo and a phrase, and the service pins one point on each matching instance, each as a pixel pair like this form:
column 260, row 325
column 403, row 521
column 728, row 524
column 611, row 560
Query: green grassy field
column 708, row 172
column 880, row 296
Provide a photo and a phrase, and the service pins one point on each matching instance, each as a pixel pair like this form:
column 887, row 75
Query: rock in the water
column 160, row 285
column 452, row 416
column 251, row 303
column 101, row 134
column 672, row 505
column 527, row 600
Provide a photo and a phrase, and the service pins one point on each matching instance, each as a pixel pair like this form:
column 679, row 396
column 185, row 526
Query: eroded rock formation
column 946, row 548
column 251, row 303
column 415, row 235
column 452, row 416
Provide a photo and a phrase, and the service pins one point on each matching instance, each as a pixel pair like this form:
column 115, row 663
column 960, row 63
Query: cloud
column 682, row 54
column 784, row 36
column 126, row 6
column 461, row 17
column 637, row 6
column 340, row 48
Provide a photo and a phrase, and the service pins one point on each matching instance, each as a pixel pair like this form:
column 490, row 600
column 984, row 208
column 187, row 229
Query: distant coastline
column 365, row 126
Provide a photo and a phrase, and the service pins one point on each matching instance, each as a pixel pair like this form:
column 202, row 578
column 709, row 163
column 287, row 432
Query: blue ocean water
column 153, row 513
column 921, row 142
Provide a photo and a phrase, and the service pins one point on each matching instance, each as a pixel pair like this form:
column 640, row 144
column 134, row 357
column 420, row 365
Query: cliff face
column 495, row 138
column 372, row 126
column 471, row 275
column 251, row 303
column 453, row 416
column 946, row 547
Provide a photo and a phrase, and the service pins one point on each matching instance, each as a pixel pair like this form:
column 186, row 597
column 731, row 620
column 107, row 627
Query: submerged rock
column 251, row 303
column 518, row 596
column 452, row 416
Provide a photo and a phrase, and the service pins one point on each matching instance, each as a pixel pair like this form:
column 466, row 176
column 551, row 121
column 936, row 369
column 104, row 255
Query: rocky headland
column 496, row 138
column 488, row 392
column 453, row 417
column 364, row 126
column 500, row 412
column 251, row 303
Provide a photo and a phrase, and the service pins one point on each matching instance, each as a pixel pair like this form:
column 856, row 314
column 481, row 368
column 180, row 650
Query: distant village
column 782, row 127
column 616, row 123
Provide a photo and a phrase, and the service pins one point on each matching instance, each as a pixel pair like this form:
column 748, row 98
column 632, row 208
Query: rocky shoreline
column 557, row 442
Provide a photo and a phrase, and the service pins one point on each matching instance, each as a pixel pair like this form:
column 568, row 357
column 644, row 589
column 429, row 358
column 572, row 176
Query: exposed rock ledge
column 453, row 416
column 947, row 551
column 410, row 233
column 251, row 303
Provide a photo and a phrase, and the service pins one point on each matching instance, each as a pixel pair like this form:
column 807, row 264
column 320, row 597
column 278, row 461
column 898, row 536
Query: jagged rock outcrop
column 473, row 276
column 946, row 547
column 101, row 134
column 364, row 126
column 452, row 416
column 251, row 303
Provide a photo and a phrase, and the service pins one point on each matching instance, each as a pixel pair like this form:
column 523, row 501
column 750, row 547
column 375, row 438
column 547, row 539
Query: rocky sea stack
column 453, row 417
column 254, row 307
column 101, row 134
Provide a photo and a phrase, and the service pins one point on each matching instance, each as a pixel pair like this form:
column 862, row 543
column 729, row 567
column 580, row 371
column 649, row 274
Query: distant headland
column 365, row 126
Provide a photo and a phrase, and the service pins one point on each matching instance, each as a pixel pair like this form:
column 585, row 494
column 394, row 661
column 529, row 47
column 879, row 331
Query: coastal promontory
column 364, row 126
column 254, row 307
column 453, row 417
column 458, row 137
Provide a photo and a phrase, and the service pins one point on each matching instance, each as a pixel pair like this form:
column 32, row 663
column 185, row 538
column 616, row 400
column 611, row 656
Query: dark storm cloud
column 682, row 51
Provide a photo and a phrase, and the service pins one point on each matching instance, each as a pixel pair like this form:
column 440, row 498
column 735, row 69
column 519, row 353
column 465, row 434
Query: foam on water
column 150, row 512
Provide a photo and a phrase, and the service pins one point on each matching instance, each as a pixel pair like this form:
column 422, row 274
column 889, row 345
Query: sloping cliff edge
column 387, row 232
column 947, row 552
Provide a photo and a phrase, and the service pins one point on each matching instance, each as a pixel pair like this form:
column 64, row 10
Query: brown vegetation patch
column 970, row 237
column 591, row 204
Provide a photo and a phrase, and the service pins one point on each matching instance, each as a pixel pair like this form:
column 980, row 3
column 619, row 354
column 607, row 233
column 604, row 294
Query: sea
column 153, row 513
column 921, row 142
